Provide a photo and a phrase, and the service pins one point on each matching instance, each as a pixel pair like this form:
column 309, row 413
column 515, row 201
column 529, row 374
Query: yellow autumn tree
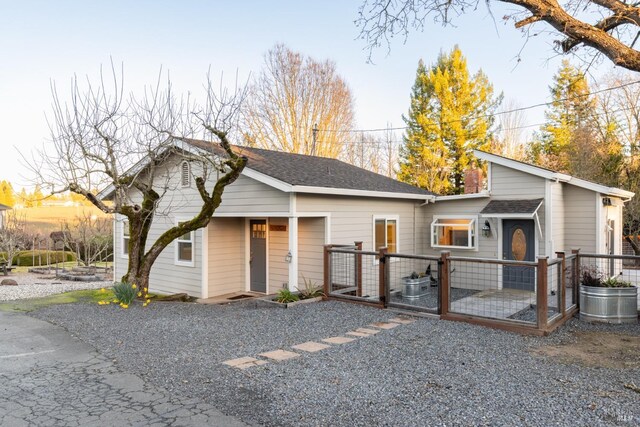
column 451, row 114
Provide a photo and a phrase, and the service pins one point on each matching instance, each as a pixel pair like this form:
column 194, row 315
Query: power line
column 514, row 110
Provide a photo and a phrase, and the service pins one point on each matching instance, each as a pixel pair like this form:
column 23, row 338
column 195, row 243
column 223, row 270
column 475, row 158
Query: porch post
column 541, row 292
column 293, row 249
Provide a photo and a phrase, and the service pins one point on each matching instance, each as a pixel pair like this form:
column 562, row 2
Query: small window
column 184, row 248
column 386, row 234
column 457, row 233
column 125, row 238
column 185, row 174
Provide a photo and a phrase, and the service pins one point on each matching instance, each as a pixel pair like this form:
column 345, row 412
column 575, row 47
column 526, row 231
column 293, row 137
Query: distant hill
column 45, row 219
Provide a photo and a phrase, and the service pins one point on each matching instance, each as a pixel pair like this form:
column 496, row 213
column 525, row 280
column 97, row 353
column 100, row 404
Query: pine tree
column 37, row 197
column 450, row 116
column 6, row 194
column 569, row 118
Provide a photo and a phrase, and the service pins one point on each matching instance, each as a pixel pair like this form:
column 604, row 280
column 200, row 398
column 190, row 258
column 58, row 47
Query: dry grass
column 45, row 219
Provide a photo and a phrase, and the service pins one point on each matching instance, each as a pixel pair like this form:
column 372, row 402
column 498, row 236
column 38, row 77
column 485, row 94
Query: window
column 386, row 233
column 454, row 232
column 125, row 238
column 184, row 248
column 185, row 174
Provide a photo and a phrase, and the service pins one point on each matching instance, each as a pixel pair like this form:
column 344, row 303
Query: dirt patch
column 596, row 349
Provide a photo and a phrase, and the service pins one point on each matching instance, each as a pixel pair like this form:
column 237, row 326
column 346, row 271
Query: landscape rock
column 8, row 282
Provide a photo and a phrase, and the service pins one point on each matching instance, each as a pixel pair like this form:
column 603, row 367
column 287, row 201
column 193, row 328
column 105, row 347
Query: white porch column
column 293, row 250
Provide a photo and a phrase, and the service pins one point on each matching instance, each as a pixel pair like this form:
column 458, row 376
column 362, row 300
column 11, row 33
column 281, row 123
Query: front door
column 518, row 243
column 258, row 255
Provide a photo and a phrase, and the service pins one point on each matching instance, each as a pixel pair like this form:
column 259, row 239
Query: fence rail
column 522, row 296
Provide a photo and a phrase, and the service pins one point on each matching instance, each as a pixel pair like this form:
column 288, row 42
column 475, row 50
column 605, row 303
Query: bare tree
column 13, row 236
column 102, row 137
column 510, row 140
column 290, row 97
column 609, row 27
column 377, row 153
column 90, row 237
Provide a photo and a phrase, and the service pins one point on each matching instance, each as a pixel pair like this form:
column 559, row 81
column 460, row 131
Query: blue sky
column 43, row 41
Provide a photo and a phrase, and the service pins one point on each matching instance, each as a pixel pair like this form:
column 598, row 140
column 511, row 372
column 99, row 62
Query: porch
column 262, row 254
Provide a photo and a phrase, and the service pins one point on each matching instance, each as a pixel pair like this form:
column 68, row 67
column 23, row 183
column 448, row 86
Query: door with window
column 518, row 244
column 258, row 255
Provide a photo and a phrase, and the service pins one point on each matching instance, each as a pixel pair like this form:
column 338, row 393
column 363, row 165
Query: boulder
column 8, row 282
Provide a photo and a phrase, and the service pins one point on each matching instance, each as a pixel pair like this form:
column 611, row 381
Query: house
column 3, row 209
column 269, row 231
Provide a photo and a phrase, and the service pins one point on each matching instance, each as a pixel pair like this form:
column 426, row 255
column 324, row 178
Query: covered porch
column 262, row 254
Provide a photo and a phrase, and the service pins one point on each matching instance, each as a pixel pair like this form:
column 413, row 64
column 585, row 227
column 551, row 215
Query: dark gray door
column 258, row 256
column 518, row 243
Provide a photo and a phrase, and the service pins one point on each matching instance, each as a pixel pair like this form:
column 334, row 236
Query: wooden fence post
column 541, row 292
column 327, row 269
column 382, row 275
column 562, row 297
column 358, row 268
column 576, row 277
column 444, row 285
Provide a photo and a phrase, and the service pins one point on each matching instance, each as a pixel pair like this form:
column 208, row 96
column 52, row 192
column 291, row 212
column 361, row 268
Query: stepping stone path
column 313, row 347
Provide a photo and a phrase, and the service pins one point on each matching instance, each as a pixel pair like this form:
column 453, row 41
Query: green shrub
column 615, row 282
column 125, row 293
column 39, row 257
column 285, row 296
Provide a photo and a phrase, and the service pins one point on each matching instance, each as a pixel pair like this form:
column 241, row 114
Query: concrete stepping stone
column 338, row 340
column 311, row 346
column 385, row 325
column 402, row 320
column 244, row 362
column 358, row 334
column 368, row 331
column 279, row 355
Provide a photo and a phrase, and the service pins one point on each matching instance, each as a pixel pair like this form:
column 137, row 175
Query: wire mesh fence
column 412, row 282
column 493, row 289
column 354, row 274
column 624, row 268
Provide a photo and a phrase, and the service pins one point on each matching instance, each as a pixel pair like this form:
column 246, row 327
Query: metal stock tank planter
column 609, row 301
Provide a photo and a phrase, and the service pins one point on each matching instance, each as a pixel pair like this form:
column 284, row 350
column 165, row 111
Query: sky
column 51, row 41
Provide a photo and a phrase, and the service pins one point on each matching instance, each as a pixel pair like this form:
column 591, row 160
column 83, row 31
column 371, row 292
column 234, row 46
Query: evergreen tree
column 6, row 194
column 450, row 116
column 37, row 197
column 568, row 119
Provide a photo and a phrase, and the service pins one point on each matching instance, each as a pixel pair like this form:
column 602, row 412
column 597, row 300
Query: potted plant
column 609, row 300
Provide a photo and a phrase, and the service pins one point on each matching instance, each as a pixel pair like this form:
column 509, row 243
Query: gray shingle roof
column 526, row 206
column 313, row 171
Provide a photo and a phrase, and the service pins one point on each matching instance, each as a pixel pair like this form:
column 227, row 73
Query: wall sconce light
column 486, row 229
column 288, row 257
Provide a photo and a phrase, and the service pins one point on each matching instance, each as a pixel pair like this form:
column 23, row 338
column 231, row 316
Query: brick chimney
column 472, row 180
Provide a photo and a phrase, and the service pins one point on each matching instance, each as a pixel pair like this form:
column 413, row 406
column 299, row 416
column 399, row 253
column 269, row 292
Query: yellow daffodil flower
column 134, row 286
column 139, row 294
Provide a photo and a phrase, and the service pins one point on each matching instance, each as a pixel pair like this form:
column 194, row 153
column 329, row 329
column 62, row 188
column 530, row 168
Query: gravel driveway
column 428, row 372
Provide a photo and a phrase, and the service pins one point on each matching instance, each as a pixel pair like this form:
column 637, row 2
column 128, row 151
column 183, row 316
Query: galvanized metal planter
column 413, row 288
column 609, row 305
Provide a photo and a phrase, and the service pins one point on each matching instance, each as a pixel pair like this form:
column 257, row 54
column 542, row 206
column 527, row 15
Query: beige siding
column 352, row 218
column 247, row 196
column 580, row 218
column 507, row 183
column 310, row 251
column 277, row 251
column 226, row 256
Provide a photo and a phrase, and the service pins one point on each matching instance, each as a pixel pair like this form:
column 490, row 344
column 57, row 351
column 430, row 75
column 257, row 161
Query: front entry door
column 518, row 243
column 258, row 255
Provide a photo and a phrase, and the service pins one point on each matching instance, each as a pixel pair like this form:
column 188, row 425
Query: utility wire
column 514, row 110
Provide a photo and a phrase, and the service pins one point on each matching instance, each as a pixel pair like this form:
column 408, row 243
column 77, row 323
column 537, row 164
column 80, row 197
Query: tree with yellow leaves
column 451, row 114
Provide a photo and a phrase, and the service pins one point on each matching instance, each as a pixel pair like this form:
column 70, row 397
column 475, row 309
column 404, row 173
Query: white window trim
column 395, row 218
column 475, row 231
column 188, row 184
column 176, row 245
column 125, row 226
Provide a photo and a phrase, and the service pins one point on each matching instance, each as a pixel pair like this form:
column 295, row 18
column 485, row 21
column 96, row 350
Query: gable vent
column 185, row 176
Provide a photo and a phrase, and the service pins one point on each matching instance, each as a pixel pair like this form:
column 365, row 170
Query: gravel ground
column 38, row 285
column 427, row 373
